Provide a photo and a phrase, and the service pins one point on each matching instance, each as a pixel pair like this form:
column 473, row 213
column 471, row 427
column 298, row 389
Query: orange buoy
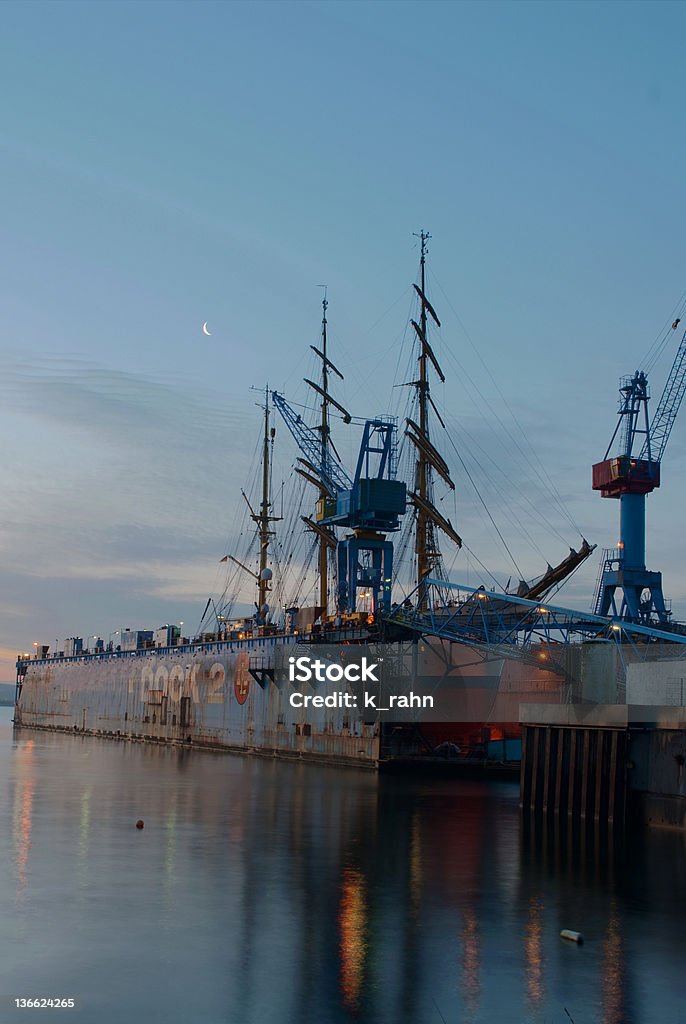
column 140, row 823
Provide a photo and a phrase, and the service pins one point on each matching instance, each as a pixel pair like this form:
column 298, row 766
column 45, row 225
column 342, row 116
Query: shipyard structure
column 481, row 653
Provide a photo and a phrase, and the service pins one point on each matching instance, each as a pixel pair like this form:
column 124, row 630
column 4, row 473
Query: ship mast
column 319, row 474
column 424, row 534
column 323, row 493
column 428, row 457
column 263, row 518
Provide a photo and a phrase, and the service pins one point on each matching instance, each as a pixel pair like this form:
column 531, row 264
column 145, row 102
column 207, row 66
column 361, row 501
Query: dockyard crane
column 630, row 476
column 328, row 469
column 369, row 504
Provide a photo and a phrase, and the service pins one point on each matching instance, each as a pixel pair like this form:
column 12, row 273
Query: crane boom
column 329, row 470
column 668, row 407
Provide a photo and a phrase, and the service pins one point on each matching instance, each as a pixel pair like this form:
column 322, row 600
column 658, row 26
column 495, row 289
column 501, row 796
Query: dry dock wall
column 657, row 683
column 605, row 764
column 218, row 696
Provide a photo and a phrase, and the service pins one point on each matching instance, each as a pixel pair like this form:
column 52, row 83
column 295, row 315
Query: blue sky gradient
column 165, row 164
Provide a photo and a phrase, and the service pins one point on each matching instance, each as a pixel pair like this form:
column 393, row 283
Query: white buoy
column 572, row 936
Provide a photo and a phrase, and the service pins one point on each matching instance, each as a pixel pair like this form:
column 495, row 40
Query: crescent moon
column 205, row 331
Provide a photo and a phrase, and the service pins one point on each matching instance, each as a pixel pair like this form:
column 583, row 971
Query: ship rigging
column 361, row 562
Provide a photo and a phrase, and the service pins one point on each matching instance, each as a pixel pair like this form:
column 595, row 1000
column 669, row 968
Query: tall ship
column 375, row 535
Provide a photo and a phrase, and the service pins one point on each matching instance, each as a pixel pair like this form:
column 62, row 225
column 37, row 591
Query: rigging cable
column 664, row 334
column 486, row 509
column 514, row 488
column 539, row 472
column 513, row 515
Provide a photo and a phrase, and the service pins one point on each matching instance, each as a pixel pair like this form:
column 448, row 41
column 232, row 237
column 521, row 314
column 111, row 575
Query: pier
column 609, row 765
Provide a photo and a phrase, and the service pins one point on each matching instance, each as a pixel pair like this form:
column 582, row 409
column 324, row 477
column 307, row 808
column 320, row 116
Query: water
column 268, row 893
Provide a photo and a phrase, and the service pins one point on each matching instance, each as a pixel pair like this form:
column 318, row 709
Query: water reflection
column 352, row 921
column 22, row 813
column 533, row 946
column 613, row 971
column 415, row 864
column 471, row 965
column 287, row 892
column 84, row 828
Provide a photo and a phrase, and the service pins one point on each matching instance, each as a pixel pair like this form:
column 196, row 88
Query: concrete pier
column 605, row 764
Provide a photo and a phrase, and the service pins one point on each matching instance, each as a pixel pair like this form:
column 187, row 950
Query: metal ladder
column 610, row 555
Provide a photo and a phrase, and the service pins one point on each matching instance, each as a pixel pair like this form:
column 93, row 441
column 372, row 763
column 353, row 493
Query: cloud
column 118, row 408
column 119, row 493
column 104, row 452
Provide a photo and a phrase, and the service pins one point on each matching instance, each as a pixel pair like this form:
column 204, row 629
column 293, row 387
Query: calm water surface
column 270, row 893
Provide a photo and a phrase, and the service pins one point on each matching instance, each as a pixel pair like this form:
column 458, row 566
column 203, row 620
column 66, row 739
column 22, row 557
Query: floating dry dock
column 605, row 764
column 215, row 695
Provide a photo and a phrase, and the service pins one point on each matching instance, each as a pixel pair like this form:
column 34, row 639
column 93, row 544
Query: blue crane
column 629, row 476
column 327, row 469
column 369, row 504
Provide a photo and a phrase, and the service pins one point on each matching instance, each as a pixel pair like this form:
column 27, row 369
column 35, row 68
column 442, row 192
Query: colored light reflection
column 415, row 866
column 533, row 948
column 471, row 964
column 352, row 923
column 612, row 974
column 85, row 825
column 22, row 814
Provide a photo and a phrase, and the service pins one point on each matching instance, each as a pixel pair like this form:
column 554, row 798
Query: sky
column 167, row 164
